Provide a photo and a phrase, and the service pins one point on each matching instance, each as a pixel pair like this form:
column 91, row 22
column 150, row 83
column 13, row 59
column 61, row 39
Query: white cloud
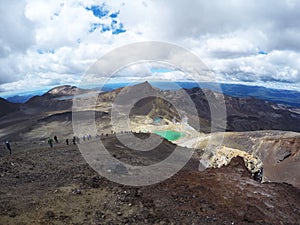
column 16, row 31
column 46, row 42
column 277, row 66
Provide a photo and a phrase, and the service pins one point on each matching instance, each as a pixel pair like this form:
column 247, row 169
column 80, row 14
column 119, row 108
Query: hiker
column 8, row 146
column 50, row 142
column 74, row 140
column 83, row 138
column 55, row 139
column 67, row 141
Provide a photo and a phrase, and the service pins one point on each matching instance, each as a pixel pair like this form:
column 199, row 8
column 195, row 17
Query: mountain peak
column 144, row 84
column 147, row 85
column 139, row 88
column 63, row 90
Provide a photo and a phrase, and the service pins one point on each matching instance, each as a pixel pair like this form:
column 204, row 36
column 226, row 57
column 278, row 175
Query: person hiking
column 74, row 140
column 67, row 141
column 50, row 142
column 55, row 139
column 8, row 146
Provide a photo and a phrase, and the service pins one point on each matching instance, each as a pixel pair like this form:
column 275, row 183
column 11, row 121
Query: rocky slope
column 247, row 114
column 56, row 99
column 278, row 151
column 224, row 155
column 243, row 114
column 7, row 107
column 39, row 185
column 56, row 186
column 48, row 115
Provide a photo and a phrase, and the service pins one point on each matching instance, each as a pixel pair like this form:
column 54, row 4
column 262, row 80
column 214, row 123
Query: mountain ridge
column 279, row 96
column 55, row 117
column 243, row 114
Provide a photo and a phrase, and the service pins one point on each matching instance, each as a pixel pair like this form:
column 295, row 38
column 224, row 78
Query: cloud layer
column 54, row 42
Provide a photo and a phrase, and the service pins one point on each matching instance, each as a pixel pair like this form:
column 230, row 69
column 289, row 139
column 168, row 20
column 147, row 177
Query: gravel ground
column 39, row 185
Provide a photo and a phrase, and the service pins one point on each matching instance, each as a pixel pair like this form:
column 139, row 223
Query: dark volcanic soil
column 56, row 186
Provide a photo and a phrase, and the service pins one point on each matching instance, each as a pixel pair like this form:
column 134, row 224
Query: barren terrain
column 40, row 185
column 43, row 185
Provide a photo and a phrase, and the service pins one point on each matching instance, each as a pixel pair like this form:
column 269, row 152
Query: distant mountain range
column 287, row 97
column 52, row 114
column 243, row 114
column 19, row 98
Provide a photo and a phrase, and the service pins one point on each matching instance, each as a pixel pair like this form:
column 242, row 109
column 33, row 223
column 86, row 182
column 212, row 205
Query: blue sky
column 48, row 43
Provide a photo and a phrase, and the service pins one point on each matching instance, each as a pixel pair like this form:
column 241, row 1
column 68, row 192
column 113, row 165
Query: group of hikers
column 75, row 140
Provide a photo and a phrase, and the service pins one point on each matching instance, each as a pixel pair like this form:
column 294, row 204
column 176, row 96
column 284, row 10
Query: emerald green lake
column 170, row 135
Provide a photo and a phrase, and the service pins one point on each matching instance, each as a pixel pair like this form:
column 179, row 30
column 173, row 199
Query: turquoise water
column 170, row 135
column 157, row 120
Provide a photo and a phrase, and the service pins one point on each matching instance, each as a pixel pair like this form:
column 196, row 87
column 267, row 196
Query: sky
column 54, row 42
